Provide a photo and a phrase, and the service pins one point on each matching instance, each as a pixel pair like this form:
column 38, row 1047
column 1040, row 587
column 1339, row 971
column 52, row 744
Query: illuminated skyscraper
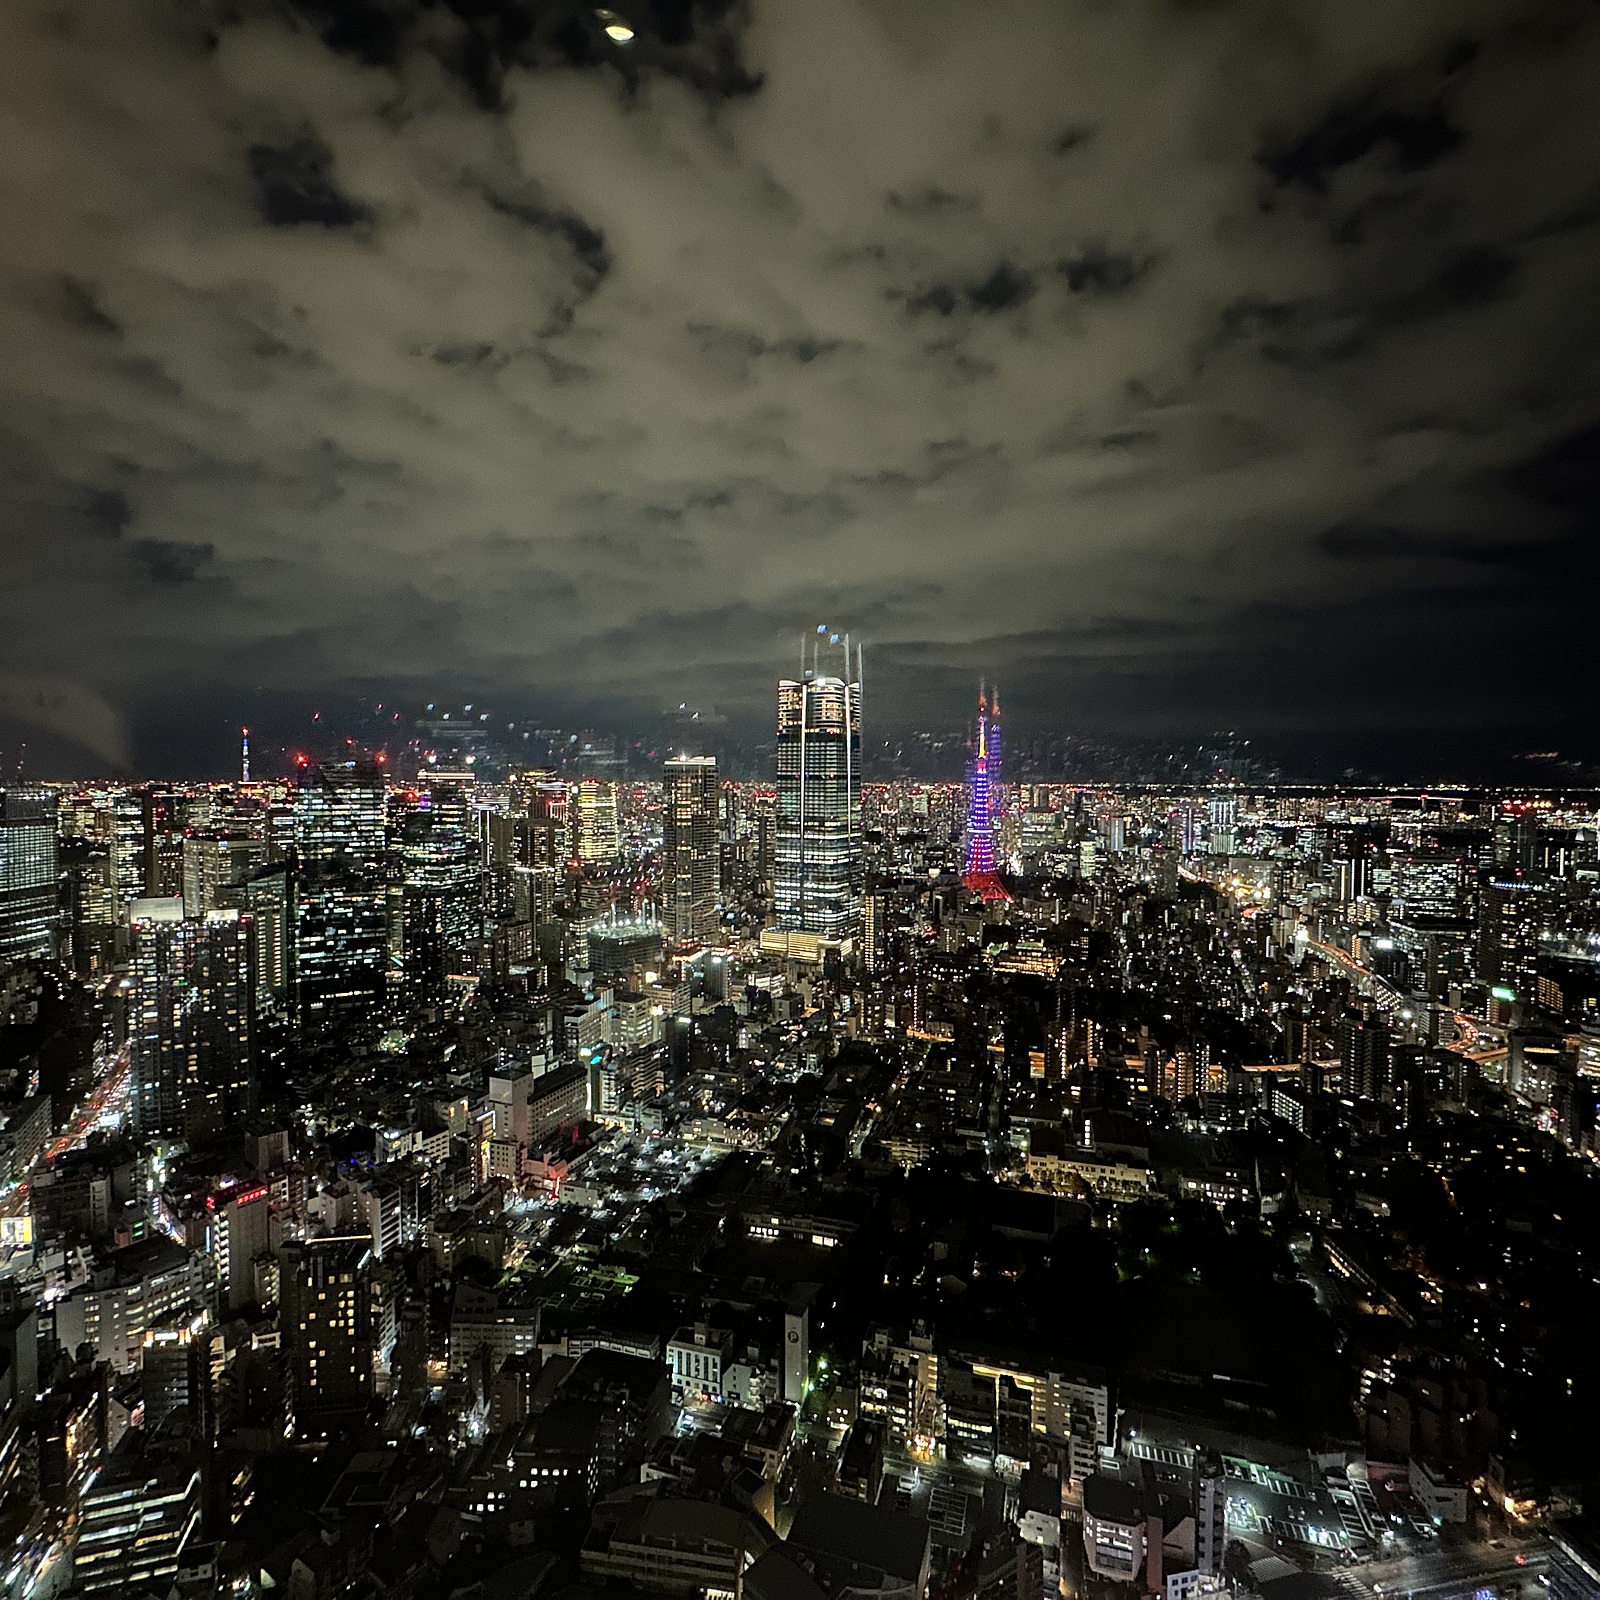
column 27, row 875
column 191, row 1029
column 441, row 898
column 595, row 823
column 691, row 886
column 341, row 945
column 817, row 885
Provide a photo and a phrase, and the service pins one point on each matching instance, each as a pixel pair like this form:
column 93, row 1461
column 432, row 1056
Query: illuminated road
column 1469, row 1035
column 108, row 1095
column 1442, row 1574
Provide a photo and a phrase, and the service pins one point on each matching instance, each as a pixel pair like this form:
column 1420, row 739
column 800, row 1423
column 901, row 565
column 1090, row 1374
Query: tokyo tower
column 980, row 873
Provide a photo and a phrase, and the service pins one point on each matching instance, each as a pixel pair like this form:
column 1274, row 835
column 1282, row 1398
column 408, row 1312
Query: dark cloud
column 1523, row 556
column 84, row 309
column 1096, row 270
column 107, row 512
column 1475, row 275
column 1565, row 473
column 587, row 244
column 1004, row 288
column 169, row 561
column 1408, row 139
column 483, row 41
column 294, row 185
column 1070, row 138
column 925, row 202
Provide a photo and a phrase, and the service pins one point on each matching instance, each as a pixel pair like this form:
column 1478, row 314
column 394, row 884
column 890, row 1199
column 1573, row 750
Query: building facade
column 691, row 867
column 27, row 875
column 817, row 887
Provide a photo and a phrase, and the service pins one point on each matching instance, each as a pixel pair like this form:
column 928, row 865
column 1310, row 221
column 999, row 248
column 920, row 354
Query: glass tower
column 27, row 875
column 817, row 884
column 598, row 840
column 191, row 1019
column 341, row 946
column 691, row 861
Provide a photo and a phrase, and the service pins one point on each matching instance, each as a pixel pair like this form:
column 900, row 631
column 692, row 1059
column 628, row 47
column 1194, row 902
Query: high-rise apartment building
column 191, row 1018
column 691, row 862
column 326, row 1323
column 27, row 875
column 341, row 945
column 238, row 1231
column 817, row 887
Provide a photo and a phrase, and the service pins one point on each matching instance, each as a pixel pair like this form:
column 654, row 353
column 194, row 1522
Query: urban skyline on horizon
column 799, row 801
column 1472, row 757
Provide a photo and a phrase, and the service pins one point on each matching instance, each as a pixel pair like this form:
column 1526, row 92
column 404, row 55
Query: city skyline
column 556, row 1041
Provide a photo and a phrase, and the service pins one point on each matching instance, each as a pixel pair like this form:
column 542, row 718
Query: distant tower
column 817, row 881
column 244, row 755
column 599, row 842
column 191, row 1019
column 27, row 874
column 341, row 936
column 691, row 888
column 980, row 873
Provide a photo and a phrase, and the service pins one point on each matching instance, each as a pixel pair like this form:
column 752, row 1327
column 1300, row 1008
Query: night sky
column 1184, row 365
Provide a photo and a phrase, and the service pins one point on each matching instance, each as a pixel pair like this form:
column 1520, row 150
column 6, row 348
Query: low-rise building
column 674, row 1547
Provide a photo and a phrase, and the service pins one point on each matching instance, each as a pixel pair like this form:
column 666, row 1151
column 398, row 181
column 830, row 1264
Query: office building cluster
column 506, row 1166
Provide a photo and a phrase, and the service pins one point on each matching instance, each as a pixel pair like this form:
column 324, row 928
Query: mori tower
column 817, row 886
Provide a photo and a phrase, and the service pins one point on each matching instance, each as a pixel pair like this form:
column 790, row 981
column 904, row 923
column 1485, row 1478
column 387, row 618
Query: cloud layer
column 1185, row 364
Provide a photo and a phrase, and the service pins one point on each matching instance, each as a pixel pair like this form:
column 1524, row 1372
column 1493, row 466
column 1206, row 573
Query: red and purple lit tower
column 981, row 872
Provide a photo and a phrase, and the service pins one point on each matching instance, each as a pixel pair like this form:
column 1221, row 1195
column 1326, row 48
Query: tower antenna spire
column 981, row 874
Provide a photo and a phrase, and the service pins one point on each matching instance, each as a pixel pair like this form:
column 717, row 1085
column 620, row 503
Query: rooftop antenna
column 244, row 755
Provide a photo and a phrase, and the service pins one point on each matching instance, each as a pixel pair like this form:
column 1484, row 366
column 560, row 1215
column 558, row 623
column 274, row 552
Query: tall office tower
column 1365, row 1054
column 212, row 861
column 325, row 1296
column 191, row 1019
column 1516, row 915
column 122, row 823
column 267, row 894
column 1224, row 814
column 442, row 888
column 1189, row 830
column 341, row 944
column 818, row 882
column 27, row 875
column 549, row 836
column 595, row 823
column 163, row 842
column 691, row 858
column 979, row 871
